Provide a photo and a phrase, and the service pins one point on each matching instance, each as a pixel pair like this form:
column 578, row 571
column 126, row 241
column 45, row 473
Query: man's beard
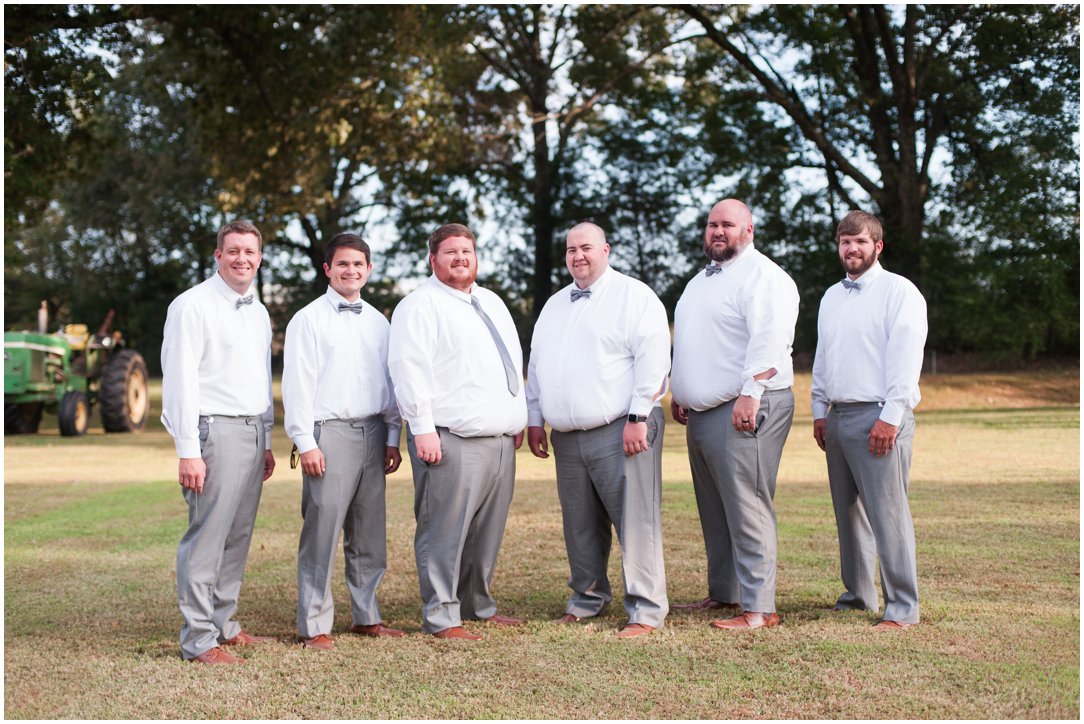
column 727, row 253
column 866, row 264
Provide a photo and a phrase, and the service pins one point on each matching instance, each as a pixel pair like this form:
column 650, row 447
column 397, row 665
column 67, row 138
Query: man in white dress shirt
column 457, row 366
column 871, row 330
column 341, row 415
column 217, row 405
column 599, row 358
column 732, row 378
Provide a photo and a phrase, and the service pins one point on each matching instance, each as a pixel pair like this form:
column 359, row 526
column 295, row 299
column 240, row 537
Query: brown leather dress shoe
column 499, row 620
column 707, row 604
column 632, row 630
column 217, row 656
column 568, row 618
column 243, row 639
column 892, row 625
column 456, row 632
column 376, row 629
column 320, row 642
column 748, row 620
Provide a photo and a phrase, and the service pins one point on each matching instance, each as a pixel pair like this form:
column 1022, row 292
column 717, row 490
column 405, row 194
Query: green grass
column 91, row 620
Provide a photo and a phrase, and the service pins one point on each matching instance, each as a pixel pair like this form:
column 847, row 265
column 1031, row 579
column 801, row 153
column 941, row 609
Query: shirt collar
column 743, row 254
column 600, row 283
column 870, row 275
column 461, row 296
column 334, row 298
column 227, row 291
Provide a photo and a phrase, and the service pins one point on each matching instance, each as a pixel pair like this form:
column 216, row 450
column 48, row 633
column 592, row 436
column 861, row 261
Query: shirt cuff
column 535, row 419
column 305, row 443
column 820, row 410
column 394, row 432
column 753, row 388
column 892, row 413
column 641, row 407
column 187, row 448
column 422, row 426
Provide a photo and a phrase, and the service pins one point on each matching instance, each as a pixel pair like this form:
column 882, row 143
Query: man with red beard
column 457, row 366
column 732, row 378
column 870, row 335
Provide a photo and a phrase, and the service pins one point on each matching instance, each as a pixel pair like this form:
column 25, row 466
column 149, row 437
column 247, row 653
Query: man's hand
column 882, row 438
column 313, row 463
column 392, row 460
column 744, row 418
column 191, row 473
column 635, row 438
column 268, row 464
column 681, row 415
column 536, row 440
column 427, row 447
column 517, row 441
column 819, row 427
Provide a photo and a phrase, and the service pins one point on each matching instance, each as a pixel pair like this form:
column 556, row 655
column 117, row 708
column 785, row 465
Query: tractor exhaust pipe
column 43, row 318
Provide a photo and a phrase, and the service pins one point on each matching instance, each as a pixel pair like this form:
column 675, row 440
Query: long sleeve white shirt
column 335, row 367
column 446, row 367
column 869, row 345
column 730, row 327
column 216, row 360
column 598, row 358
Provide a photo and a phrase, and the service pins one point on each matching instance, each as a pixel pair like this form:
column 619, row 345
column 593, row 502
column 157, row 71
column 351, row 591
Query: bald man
column 599, row 359
column 732, row 378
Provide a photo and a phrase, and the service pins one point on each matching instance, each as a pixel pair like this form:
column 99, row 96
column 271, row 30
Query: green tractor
column 68, row 373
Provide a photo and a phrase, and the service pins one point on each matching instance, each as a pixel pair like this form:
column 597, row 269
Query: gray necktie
column 355, row 307
column 849, row 285
column 577, row 293
column 712, row 269
column 509, row 368
column 243, row 301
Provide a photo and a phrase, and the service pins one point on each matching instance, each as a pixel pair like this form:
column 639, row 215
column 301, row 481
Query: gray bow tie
column 712, row 269
column 848, row 285
column 577, row 293
column 243, row 300
column 355, row 307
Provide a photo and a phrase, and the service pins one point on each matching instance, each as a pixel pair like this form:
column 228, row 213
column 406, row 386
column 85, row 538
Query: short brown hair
column 239, row 227
column 447, row 232
column 348, row 241
column 855, row 222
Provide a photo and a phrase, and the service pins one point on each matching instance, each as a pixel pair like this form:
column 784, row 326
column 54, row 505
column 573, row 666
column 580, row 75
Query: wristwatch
column 637, row 418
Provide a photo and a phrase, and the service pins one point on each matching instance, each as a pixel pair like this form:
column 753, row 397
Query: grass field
column 91, row 619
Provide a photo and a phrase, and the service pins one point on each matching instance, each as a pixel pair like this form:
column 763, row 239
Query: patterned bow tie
column 355, row 307
column 242, row 301
column 577, row 293
column 849, row 285
column 712, row 269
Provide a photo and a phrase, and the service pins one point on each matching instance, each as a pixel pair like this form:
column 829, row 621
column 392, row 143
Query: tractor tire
column 74, row 414
column 123, row 399
column 22, row 419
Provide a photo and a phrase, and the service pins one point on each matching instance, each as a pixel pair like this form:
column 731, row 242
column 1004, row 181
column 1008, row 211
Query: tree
column 910, row 111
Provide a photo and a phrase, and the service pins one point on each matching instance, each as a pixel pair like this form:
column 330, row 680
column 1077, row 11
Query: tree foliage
column 133, row 131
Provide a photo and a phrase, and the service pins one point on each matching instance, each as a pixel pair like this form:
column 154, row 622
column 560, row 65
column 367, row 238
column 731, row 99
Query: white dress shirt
column 446, row 367
column 216, row 360
column 599, row 358
column 730, row 327
column 869, row 345
column 335, row 367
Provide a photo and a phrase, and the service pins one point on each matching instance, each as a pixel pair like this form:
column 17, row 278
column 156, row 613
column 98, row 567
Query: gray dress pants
column 869, row 494
column 734, row 476
column 461, row 507
column 349, row 499
column 598, row 486
column 212, row 553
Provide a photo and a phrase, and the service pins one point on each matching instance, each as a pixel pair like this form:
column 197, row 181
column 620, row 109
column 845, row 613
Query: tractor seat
column 77, row 336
